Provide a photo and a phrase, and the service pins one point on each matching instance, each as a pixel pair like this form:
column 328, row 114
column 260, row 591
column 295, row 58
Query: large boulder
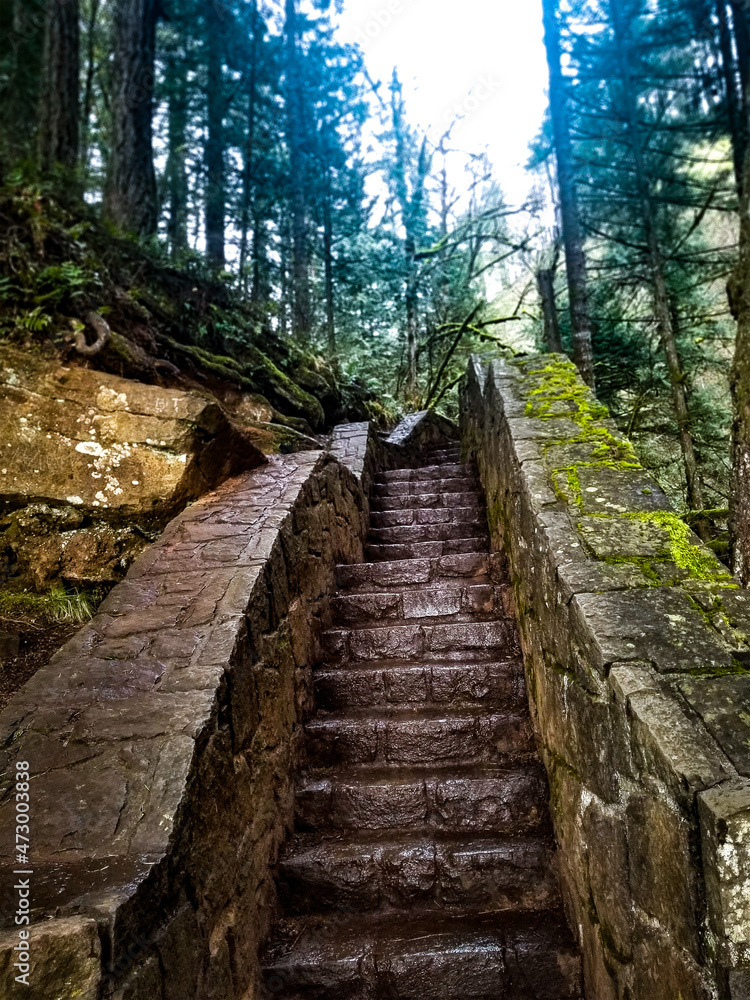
column 109, row 446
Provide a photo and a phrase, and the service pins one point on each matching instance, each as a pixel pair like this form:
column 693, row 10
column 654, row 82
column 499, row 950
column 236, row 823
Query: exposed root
column 103, row 334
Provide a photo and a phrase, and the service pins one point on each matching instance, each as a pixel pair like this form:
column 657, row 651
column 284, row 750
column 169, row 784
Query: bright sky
column 479, row 60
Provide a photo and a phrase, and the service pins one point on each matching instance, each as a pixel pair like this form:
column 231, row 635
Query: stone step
column 405, row 487
column 447, row 570
column 479, row 800
column 374, row 957
column 412, row 641
column 429, row 602
column 436, row 515
column 437, row 455
column 441, row 532
column 500, row 685
column 426, row 550
column 368, row 872
column 426, row 501
column 423, row 735
column 440, row 470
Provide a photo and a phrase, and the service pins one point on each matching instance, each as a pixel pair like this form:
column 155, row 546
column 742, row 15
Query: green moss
column 737, row 669
column 697, row 562
column 642, row 563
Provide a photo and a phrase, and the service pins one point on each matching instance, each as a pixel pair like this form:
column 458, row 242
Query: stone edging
column 636, row 647
column 162, row 741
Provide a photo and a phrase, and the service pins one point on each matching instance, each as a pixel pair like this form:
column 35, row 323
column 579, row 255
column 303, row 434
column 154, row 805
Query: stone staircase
column 423, row 864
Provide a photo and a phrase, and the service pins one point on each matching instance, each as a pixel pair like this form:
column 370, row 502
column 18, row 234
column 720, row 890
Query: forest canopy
column 242, row 145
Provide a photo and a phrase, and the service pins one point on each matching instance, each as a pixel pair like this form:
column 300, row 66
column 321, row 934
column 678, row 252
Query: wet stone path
column 423, row 862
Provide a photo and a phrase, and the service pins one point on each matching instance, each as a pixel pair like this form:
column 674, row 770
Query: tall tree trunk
column 662, row 310
column 301, row 310
column 411, row 208
column 546, row 283
column 88, row 92
column 260, row 290
column 130, row 197
column 248, row 173
column 739, row 297
column 740, row 384
column 176, row 168
column 215, row 195
column 59, row 97
column 575, row 261
column 328, row 265
column 733, row 91
column 22, row 25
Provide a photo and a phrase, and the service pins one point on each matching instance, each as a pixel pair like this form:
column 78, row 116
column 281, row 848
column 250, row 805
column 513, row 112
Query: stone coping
column 161, row 738
column 637, row 645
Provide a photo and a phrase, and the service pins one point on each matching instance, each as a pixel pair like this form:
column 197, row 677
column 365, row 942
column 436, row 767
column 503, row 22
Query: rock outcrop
column 90, row 463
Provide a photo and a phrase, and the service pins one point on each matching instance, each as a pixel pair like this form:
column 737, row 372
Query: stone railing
column 162, row 740
column 161, row 743
column 636, row 643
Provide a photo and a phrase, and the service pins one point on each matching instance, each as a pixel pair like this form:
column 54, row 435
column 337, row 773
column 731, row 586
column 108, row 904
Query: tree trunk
column 546, row 283
column 130, row 197
column 59, row 97
column 176, row 168
column 662, row 310
column 260, row 290
column 88, row 93
column 740, row 384
column 733, row 90
column 328, row 264
column 22, row 24
column 571, row 225
column 248, row 171
column 215, row 209
column 301, row 314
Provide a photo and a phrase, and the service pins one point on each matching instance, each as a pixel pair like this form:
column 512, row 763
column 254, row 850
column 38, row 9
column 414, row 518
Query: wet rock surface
column 423, row 865
column 635, row 642
column 92, row 464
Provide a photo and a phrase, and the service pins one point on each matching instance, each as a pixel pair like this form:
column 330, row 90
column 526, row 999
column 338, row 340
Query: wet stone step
column 412, row 641
column 402, row 488
column 372, row 958
column 425, row 501
column 453, row 569
column 480, row 800
column 368, row 872
column 423, row 864
column 418, row 736
column 426, row 550
column 417, row 516
column 498, row 685
column 442, row 470
column 428, row 532
column 432, row 602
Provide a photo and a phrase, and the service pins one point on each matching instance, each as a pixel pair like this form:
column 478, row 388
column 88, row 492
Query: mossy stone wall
column 638, row 665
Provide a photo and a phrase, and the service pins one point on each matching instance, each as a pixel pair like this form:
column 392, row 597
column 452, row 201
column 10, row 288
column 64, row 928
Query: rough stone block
column 725, row 832
column 717, row 701
column 64, row 960
column 663, row 879
column 659, row 625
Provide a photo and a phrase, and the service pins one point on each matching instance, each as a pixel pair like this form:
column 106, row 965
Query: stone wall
column 162, row 740
column 636, row 643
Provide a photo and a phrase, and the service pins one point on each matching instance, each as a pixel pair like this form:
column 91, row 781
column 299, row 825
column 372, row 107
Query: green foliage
column 69, row 606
